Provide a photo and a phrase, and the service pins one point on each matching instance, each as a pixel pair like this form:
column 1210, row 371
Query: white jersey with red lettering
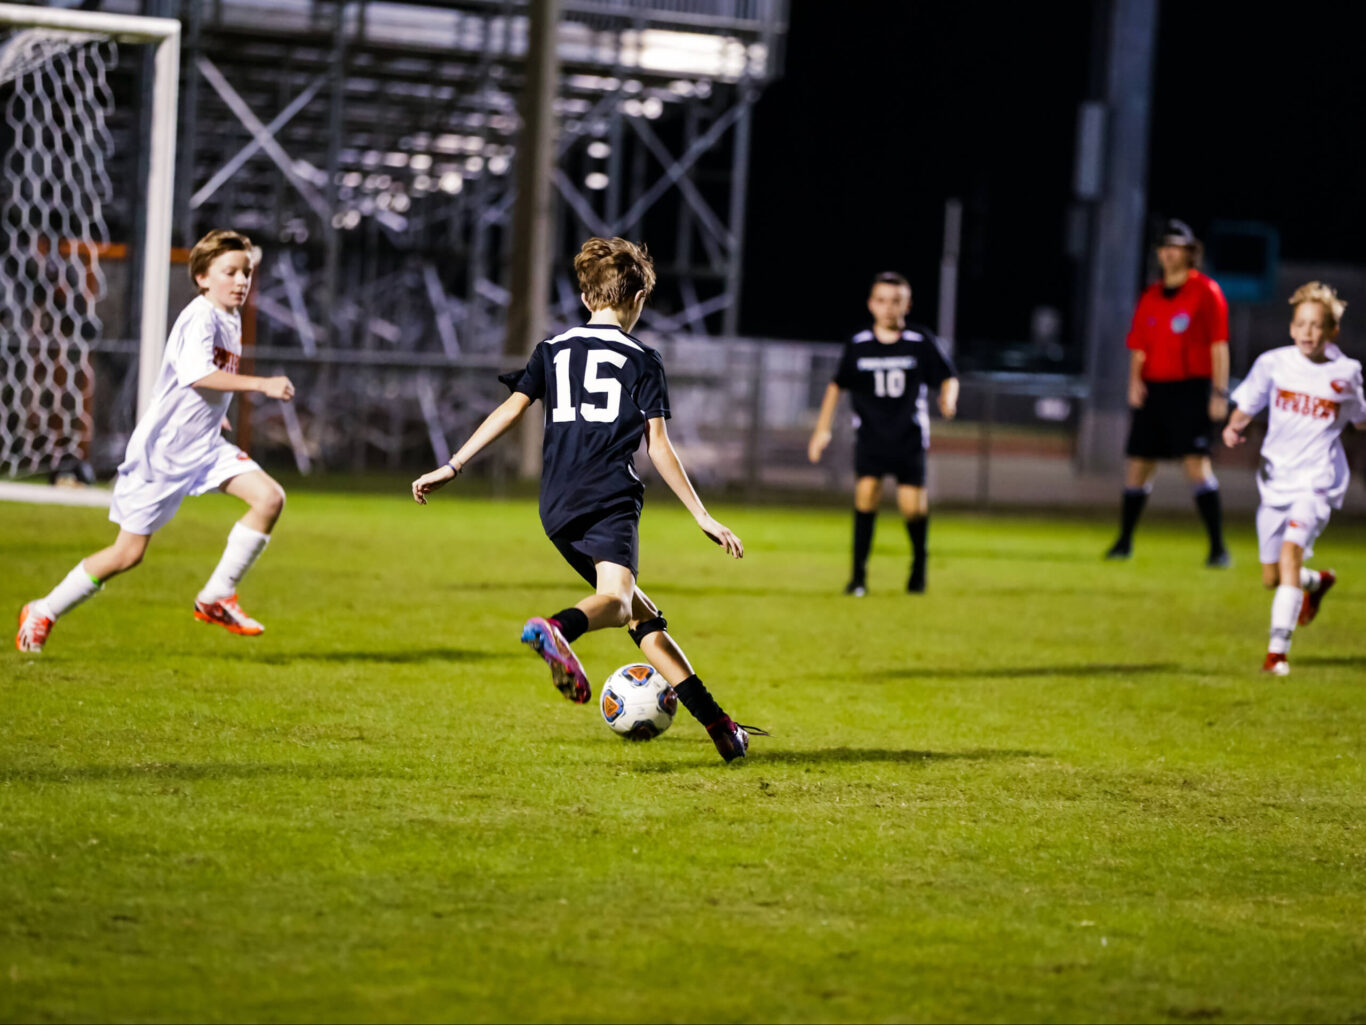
column 1309, row 405
column 180, row 432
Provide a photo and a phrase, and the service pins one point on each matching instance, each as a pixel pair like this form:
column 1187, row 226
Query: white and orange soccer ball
column 637, row 702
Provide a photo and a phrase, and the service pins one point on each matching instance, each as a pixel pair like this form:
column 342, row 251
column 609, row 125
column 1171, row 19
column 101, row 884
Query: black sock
column 1131, row 509
column 573, row 623
column 918, row 528
column 863, row 543
column 1207, row 501
column 698, row 700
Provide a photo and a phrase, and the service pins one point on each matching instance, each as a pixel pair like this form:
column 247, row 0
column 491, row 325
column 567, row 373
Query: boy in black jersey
column 889, row 371
column 602, row 390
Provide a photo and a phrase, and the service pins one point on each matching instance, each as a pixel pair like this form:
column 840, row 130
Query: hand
column 722, row 535
column 1138, row 393
column 429, row 482
column 1218, row 409
column 948, row 408
column 281, row 388
column 1232, row 437
column 816, row 447
column 226, row 425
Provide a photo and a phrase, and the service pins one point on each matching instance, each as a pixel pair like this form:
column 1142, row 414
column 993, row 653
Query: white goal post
column 164, row 35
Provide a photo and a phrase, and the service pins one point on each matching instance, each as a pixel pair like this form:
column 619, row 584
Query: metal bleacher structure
column 369, row 148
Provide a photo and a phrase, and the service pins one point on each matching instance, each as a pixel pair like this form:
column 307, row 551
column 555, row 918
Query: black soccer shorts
column 905, row 462
column 1173, row 422
column 609, row 535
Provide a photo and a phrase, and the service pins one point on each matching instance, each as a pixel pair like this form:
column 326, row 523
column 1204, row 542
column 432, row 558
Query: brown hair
column 1326, row 296
column 889, row 277
column 612, row 270
column 211, row 247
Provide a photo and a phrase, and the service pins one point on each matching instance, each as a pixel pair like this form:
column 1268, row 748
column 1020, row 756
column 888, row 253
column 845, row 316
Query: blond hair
column 612, row 270
column 212, row 246
column 1326, row 296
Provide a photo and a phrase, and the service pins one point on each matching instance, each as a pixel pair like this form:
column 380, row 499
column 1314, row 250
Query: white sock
column 1285, row 611
column 243, row 548
column 76, row 587
column 1310, row 578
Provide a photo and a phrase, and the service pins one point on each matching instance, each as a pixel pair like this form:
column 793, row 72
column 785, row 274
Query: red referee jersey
column 1175, row 335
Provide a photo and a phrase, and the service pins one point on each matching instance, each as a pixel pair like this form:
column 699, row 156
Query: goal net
column 56, row 153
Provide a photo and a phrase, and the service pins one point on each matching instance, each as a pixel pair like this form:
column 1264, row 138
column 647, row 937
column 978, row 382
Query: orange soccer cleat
column 229, row 615
column 1309, row 608
column 33, row 629
column 1276, row 664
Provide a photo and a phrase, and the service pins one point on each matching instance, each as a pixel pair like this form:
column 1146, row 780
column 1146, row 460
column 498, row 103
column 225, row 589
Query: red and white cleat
column 1309, row 608
column 229, row 615
column 1276, row 664
column 33, row 629
column 541, row 636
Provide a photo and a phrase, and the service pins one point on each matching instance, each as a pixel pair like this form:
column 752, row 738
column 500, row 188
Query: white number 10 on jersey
column 608, row 387
column 889, row 383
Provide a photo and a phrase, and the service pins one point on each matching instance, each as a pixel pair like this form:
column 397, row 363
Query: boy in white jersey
column 177, row 450
column 1312, row 391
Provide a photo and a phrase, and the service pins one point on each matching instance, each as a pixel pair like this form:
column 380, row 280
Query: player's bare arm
column 281, row 388
column 670, row 467
column 1237, row 424
column 1218, row 397
column 820, row 437
column 948, row 398
column 1138, row 391
column 495, row 425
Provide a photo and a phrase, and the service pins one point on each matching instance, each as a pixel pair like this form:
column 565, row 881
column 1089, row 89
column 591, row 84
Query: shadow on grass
column 1021, row 672
column 285, row 658
column 846, row 755
column 1355, row 661
column 188, row 772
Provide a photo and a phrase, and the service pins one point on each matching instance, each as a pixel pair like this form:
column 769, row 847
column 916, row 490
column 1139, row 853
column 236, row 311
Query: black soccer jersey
column 599, row 386
column 889, row 383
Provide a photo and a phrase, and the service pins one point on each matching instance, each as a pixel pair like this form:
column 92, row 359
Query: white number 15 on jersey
column 608, row 387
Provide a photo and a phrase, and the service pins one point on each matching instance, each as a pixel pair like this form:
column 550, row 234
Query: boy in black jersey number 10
column 889, row 371
column 602, row 390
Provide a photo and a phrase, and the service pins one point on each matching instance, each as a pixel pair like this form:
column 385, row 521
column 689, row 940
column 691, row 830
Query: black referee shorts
column 905, row 462
column 608, row 535
column 1173, row 422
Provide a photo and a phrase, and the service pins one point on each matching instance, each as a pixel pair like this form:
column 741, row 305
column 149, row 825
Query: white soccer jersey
column 179, row 433
column 1310, row 404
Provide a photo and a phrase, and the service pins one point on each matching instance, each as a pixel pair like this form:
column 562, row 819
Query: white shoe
column 34, row 626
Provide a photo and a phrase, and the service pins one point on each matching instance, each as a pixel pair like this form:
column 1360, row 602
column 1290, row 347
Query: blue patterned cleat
column 545, row 640
column 732, row 739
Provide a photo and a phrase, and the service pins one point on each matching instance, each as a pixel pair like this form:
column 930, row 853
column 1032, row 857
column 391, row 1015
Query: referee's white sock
column 244, row 547
column 1285, row 612
column 76, row 587
column 1310, row 578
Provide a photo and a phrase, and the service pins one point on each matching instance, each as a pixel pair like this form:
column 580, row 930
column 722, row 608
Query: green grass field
column 1052, row 789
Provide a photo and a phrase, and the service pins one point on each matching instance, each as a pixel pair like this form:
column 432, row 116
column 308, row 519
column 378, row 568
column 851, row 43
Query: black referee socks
column 698, row 700
column 863, row 543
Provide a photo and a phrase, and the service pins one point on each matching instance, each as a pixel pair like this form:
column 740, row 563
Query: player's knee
column 619, row 610
column 271, row 502
column 127, row 558
column 641, row 629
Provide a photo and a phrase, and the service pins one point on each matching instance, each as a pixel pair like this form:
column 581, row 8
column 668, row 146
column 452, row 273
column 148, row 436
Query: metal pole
column 739, row 194
column 531, row 216
column 189, row 119
column 336, row 123
column 1118, row 240
column 948, row 272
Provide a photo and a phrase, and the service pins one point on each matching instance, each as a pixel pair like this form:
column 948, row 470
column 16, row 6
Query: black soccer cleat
column 1120, row 550
column 732, row 739
column 916, row 583
column 856, row 588
column 1219, row 558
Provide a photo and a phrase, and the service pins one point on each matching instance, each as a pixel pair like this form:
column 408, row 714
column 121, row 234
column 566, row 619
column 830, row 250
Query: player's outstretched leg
column 1315, row 584
column 649, row 630
column 550, row 639
column 37, row 618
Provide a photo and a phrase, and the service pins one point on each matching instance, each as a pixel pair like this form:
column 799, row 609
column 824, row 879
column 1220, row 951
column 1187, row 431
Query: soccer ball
column 638, row 702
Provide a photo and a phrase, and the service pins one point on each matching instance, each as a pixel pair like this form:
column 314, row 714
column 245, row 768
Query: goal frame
column 164, row 34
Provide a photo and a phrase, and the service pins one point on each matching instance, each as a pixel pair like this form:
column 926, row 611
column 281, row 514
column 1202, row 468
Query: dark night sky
column 887, row 109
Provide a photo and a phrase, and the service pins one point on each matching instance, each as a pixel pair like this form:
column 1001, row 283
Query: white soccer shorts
column 145, row 506
column 1299, row 521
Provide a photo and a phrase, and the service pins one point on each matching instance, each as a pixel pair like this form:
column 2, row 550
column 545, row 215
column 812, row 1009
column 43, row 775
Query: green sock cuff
column 95, row 581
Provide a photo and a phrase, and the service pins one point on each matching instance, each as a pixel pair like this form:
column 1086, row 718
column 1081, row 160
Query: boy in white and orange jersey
column 178, row 450
column 1312, row 391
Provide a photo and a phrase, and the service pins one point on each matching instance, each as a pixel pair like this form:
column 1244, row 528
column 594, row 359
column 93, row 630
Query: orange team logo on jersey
column 225, row 360
column 1306, row 405
column 1296, row 524
column 242, row 455
column 1339, row 385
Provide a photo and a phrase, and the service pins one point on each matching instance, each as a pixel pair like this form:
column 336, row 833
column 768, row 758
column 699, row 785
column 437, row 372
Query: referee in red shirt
column 1178, row 386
